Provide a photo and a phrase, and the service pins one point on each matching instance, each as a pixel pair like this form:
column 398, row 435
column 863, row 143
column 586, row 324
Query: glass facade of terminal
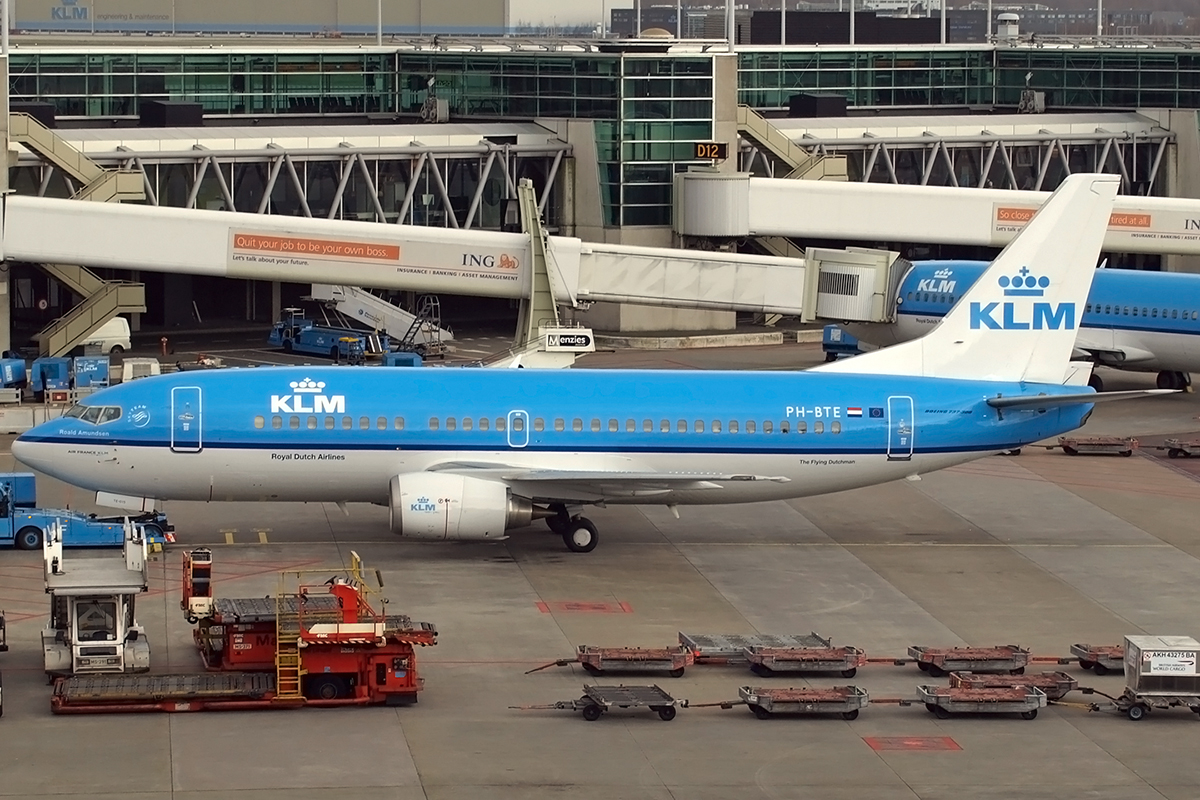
column 647, row 109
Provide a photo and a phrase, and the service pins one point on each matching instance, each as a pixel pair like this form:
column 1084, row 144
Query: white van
column 112, row 337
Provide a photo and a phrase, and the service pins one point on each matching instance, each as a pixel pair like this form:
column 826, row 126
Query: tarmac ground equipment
column 819, row 657
column 1178, row 448
column 596, row 700
column 1160, row 672
column 3, row 634
column 1074, row 446
column 1101, row 658
column 1056, row 685
column 598, row 660
column 725, row 648
column 944, row 701
column 766, row 701
column 938, row 661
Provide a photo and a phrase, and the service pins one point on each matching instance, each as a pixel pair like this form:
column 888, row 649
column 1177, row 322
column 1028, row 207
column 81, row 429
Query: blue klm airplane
column 1132, row 320
column 472, row 453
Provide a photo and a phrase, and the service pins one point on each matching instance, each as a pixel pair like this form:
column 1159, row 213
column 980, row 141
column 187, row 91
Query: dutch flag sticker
column 853, row 412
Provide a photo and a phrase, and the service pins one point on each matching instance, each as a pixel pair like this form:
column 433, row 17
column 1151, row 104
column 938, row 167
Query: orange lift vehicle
column 317, row 644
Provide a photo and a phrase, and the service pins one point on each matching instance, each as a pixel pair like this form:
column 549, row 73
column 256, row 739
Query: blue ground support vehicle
column 296, row 333
column 49, row 374
column 836, row 343
column 23, row 524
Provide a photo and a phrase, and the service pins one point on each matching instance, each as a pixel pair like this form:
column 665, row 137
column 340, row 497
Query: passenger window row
column 330, row 423
column 595, row 425
column 1133, row 311
column 926, row 297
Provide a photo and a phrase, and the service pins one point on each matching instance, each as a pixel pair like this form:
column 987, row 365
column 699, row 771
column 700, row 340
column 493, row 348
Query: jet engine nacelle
column 430, row 505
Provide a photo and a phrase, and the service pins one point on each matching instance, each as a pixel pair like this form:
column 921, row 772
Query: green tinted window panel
column 56, row 63
column 647, row 215
column 159, row 62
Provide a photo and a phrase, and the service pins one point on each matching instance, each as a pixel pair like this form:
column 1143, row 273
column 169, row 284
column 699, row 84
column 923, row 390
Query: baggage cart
column 766, row 661
column 1160, row 672
column 1056, row 685
column 1101, row 658
column 1074, row 446
column 943, row 701
column 598, row 660
column 844, row 700
column 596, row 700
column 938, row 661
column 712, row 648
column 1179, row 448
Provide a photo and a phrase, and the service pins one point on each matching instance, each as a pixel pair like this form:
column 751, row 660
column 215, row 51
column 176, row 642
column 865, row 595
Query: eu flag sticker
column 876, row 412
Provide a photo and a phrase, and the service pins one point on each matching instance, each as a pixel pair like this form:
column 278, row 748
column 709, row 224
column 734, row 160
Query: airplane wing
column 1044, row 401
column 553, row 482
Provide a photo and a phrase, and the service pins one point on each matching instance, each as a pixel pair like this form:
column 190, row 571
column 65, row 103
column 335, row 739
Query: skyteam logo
column 1015, row 316
column 423, row 506
column 304, row 391
column 940, row 283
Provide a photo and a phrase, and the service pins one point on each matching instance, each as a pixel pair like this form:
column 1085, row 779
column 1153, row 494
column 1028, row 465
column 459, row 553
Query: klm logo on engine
column 423, row 506
column 1014, row 315
column 939, row 283
column 308, row 397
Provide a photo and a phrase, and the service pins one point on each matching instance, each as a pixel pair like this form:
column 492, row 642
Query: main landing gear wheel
column 1173, row 380
column 1096, row 382
column 560, row 523
column 581, row 535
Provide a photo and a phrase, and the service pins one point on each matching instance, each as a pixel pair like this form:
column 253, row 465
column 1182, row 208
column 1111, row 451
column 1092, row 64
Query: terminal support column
column 9, row 160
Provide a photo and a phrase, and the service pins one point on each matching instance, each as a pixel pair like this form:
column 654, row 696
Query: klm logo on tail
column 1018, row 316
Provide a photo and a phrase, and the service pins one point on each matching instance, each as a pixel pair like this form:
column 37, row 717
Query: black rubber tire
column 287, row 345
column 1071, row 451
column 760, row 712
column 762, row 670
column 1174, row 452
column 667, row 713
column 931, row 708
column 1085, row 664
column 849, row 673
column 1137, row 712
column 1100, row 669
column 335, row 353
column 830, row 357
column 936, row 672
column 592, row 712
column 921, row 665
column 676, row 673
column 941, row 713
column 152, row 530
column 29, row 538
column 324, row 687
column 1126, row 453
column 559, row 523
column 592, row 669
column 1030, row 714
column 1017, row 671
column 851, row 715
column 1096, row 382
column 581, row 536
column 116, row 350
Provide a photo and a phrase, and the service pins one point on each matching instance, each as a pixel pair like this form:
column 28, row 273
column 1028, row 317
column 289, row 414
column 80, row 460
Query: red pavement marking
column 923, row 743
column 581, row 607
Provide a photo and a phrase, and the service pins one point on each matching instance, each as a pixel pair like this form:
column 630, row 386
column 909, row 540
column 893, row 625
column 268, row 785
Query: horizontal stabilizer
column 1045, row 401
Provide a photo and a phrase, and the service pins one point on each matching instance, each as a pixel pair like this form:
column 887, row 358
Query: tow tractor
column 319, row 644
column 23, row 524
column 296, row 333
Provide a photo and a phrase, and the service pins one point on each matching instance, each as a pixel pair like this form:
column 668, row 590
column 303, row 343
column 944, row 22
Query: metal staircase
column 367, row 309
column 102, row 300
column 803, row 165
column 289, row 674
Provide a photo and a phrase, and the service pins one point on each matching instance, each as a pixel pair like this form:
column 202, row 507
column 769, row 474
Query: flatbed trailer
column 938, row 661
column 598, row 660
column 1179, row 448
column 597, row 700
column 1118, row 445
column 766, row 701
column 1101, row 658
column 1056, row 685
column 944, row 701
column 727, row 648
column 766, row 661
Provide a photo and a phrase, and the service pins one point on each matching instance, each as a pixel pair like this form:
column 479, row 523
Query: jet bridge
column 351, row 253
column 770, row 207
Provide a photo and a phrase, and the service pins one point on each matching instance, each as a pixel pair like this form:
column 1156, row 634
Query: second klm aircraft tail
column 1019, row 320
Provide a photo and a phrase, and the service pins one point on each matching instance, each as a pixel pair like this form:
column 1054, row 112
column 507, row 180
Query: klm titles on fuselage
column 304, row 391
column 1017, row 315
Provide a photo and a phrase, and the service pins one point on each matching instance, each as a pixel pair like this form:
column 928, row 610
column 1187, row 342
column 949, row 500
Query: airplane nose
column 29, row 453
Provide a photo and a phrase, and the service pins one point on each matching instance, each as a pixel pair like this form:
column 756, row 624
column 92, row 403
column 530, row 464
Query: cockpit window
column 97, row 415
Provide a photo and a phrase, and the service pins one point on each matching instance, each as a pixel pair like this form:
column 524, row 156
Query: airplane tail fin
column 1018, row 321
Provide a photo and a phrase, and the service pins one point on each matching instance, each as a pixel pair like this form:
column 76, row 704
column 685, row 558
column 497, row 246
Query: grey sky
column 565, row 12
